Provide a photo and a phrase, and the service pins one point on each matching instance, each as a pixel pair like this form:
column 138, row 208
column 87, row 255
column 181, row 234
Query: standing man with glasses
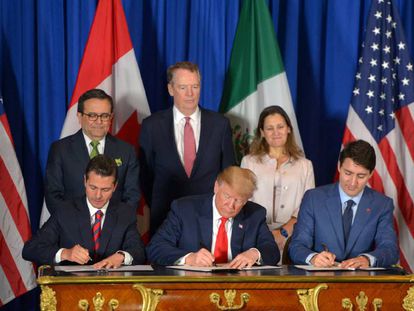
column 69, row 156
column 346, row 223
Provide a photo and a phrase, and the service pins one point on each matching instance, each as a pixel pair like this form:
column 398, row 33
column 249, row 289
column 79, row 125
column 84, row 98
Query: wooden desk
column 284, row 289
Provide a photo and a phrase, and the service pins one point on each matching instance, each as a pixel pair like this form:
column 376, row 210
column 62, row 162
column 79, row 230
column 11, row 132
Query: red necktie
column 96, row 231
column 220, row 250
column 189, row 146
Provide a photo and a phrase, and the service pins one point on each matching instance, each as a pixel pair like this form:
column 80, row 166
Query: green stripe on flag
column 255, row 55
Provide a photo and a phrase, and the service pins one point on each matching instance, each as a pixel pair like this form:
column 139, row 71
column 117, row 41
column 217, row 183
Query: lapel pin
column 241, row 226
column 368, row 210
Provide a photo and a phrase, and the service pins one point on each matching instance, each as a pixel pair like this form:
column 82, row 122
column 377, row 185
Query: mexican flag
column 256, row 77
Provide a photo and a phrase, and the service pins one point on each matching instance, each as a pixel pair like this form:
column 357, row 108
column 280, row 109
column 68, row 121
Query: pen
column 325, row 247
column 202, row 245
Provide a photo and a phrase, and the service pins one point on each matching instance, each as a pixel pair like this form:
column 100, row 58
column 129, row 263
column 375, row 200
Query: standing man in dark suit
column 347, row 221
column 69, row 156
column 92, row 229
column 182, row 148
column 224, row 228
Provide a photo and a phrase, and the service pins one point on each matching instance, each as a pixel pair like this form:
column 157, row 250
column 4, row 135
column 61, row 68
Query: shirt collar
column 178, row 115
column 344, row 197
column 88, row 140
column 93, row 210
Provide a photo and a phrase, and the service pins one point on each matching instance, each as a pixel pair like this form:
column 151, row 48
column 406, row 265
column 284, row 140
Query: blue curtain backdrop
column 42, row 42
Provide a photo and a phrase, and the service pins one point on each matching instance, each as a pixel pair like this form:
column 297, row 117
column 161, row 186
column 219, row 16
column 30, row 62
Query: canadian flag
column 109, row 63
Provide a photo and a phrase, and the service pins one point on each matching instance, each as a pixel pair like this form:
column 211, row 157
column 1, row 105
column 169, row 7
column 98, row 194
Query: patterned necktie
column 96, row 231
column 220, row 250
column 189, row 146
column 95, row 151
column 347, row 218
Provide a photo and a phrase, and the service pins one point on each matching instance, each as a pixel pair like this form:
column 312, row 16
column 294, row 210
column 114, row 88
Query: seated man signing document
column 346, row 222
column 205, row 230
column 90, row 230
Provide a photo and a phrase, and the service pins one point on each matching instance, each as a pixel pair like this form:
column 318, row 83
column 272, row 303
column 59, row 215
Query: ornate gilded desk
column 283, row 289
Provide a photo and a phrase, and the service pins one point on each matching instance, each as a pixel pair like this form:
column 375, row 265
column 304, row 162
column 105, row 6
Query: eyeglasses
column 94, row 116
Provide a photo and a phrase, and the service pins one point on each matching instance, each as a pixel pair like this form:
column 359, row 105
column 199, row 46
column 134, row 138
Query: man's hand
column 76, row 254
column 357, row 262
column 113, row 261
column 323, row 259
column 245, row 259
column 202, row 258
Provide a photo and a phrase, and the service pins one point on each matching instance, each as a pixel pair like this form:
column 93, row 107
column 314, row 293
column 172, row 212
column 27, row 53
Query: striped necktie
column 96, row 231
column 95, row 151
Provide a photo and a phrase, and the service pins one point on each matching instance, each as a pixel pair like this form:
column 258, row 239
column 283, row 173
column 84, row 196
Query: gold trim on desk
column 150, row 297
column 48, row 300
column 362, row 302
column 308, row 298
column 229, row 295
column 408, row 301
column 242, row 277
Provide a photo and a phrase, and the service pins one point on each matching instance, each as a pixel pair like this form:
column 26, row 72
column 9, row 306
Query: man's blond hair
column 241, row 180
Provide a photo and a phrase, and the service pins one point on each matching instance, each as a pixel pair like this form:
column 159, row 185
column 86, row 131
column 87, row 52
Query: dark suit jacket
column 163, row 178
column 66, row 164
column 320, row 222
column 71, row 225
column 189, row 227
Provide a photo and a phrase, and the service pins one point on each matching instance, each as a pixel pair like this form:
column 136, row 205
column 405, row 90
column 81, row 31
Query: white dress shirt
column 179, row 123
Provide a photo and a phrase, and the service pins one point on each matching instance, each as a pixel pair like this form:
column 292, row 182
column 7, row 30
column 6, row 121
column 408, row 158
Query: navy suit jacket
column 163, row 177
column 189, row 227
column 320, row 222
column 71, row 225
column 66, row 164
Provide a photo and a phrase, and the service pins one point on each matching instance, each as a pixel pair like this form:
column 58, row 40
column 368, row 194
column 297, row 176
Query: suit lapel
column 109, row 225
column 167, row 127
column 84, row 223
column 78, row 144
column 237, row 235
column 333, row 206
column 205, row 224
column 360, row 220
column 203, row 142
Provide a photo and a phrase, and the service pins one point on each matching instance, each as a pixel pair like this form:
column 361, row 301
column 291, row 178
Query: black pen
column 203, row 246
column 325, row 247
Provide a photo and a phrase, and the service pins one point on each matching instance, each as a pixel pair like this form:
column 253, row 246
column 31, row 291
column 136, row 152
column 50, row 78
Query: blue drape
column 42, row 42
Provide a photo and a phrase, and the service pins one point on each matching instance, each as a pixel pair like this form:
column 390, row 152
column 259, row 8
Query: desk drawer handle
column 229, row 295
column 362, row 301
column 98, row 303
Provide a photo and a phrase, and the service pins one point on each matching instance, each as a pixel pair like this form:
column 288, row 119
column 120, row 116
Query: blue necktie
column 347, row 218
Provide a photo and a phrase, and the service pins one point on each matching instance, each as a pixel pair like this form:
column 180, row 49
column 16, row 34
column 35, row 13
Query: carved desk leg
column 309, row 297
column 48, row 300
column 408, row 301
column 150, row 297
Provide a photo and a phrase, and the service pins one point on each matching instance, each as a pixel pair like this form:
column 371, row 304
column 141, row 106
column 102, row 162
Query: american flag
column 381, row 112
column 16, row 275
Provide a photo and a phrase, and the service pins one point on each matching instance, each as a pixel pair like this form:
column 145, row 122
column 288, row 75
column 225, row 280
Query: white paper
column 336, row 268
column 90, row 268
column 220, row 268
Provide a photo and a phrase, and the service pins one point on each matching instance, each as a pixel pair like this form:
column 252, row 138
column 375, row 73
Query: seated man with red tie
column 222, row 228
column 92, row 229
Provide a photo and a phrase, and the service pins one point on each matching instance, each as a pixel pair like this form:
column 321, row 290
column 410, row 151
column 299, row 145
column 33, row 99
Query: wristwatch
column 283, row 232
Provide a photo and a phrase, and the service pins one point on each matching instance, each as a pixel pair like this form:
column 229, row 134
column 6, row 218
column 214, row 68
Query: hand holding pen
column 324, row 258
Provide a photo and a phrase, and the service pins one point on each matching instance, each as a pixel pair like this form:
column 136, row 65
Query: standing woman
column 283, row 173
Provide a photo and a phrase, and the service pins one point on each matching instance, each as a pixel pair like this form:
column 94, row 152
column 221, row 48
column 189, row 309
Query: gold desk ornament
column 98, row 303
column 229, row 295
column 150, row 297
column 48, row 300
column 408, row 301
column 362, row 302
column 309, row 297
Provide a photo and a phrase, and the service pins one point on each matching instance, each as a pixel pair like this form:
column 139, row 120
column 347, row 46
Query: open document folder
column 221, row 268
column 335, row 268
column 90, row 268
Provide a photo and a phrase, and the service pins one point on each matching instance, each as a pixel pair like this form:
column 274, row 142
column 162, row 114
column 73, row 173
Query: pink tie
column 220, row 250
column 189, row 146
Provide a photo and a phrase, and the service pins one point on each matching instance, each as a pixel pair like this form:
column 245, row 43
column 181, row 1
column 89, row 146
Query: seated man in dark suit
column 91, row 229
column 347, row 221
column 69, row 156
column 225, row 227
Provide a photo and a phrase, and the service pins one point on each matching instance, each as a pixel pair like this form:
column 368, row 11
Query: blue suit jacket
column 320, row 222
column 66, row 164
column 189, row 227
column 71, row 225
column 162, row 175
